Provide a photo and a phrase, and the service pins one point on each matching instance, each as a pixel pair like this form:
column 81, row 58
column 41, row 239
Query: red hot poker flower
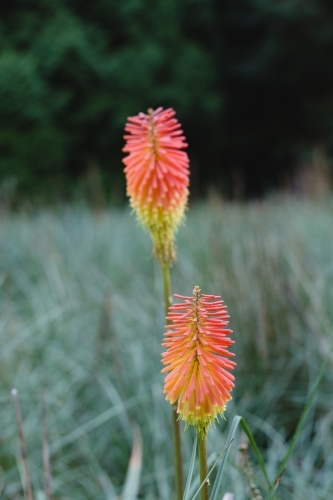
column 197, row 341
column 157, row 174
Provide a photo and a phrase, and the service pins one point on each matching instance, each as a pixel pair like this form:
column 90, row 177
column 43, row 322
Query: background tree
column 251, row 82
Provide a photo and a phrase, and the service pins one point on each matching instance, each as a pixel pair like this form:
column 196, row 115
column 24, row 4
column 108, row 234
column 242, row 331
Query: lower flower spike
column 197, row 358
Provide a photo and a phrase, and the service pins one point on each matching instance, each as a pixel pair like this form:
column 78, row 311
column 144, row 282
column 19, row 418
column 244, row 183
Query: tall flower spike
column 197, row 340
column 157, row 174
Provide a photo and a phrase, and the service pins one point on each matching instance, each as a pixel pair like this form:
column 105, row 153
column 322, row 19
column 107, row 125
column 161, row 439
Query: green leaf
column 255, row 450
column 274, row 488
column 218, row 478
column 237, row 420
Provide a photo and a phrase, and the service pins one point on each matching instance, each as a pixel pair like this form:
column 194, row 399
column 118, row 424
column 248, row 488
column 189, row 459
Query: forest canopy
column 251, row 82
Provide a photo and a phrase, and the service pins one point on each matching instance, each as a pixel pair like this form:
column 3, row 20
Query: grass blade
column 190, row 472
column 132, row 481
column 231, row 435
column 255, row 450
column 237, row 420
column 272, row 491
column 299, row 427
column 94, row 423
column 303, row 416
column 46, row 453
column 27, row 486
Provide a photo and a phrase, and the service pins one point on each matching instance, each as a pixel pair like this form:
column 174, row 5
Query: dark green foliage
column 250, row 80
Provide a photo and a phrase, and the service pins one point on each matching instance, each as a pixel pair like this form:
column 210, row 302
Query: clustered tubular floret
column 157, row 174
column 196, row 358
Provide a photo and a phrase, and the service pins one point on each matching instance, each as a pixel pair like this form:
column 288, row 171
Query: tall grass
column 82, row 322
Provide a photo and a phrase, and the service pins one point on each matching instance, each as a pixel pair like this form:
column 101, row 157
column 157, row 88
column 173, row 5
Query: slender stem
column 204, row 495
column 175, row 422
column 177, row 454
column 166, row 287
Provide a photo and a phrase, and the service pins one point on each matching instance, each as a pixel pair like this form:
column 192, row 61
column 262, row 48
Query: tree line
column 251, row 82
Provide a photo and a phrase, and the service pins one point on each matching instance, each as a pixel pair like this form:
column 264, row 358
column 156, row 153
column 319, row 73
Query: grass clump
column 81, row 323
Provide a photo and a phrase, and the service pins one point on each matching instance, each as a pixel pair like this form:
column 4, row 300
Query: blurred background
column 251, row 82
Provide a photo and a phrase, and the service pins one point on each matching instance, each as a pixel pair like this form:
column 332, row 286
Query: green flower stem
column 175, row 421
column 166, row 287
column 204, row 494
column 177, row 454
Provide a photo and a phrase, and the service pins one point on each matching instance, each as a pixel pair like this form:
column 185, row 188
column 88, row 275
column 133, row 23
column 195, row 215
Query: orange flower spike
column 157, row 175
column 197, row 355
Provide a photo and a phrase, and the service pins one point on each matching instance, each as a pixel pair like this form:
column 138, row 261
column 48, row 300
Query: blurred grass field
column 82, row 322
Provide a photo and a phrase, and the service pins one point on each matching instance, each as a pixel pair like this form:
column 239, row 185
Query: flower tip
column 157, row 175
